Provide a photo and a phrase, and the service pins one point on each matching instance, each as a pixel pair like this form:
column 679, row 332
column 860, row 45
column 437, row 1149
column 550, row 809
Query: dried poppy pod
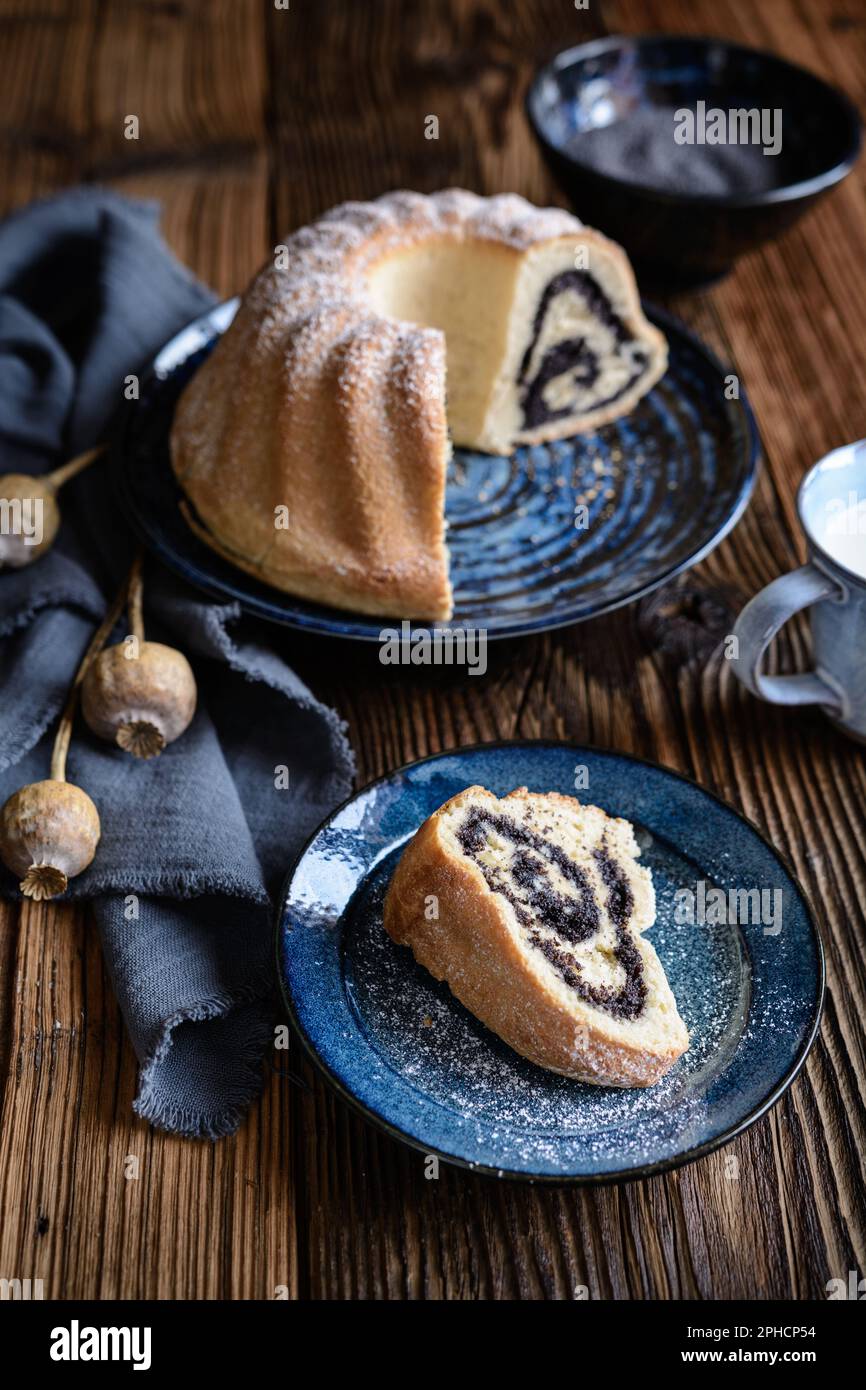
column 140, row 701
column 49, row 832
column 140, row 695
column 29, row 521
column 30, row 512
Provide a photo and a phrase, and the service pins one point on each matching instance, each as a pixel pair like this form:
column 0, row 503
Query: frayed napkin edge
column 151, row 885
column 193, row 1124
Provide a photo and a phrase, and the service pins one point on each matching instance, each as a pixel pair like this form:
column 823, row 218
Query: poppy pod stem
column 97, row 642
column 135, row 598
column 69, row 470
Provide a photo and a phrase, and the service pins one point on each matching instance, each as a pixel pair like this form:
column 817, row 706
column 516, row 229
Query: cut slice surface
column 540, row 906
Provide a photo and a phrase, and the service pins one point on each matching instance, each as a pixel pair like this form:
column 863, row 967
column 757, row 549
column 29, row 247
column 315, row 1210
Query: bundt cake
column 531, row 908
column 312, row 444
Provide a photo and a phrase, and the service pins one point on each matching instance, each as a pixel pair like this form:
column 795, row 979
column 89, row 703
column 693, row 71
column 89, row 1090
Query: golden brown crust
column 359, row 591
column 470, row 946
column 359, row 536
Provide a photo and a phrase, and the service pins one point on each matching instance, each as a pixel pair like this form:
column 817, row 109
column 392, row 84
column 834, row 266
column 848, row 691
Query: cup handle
column 758, row 624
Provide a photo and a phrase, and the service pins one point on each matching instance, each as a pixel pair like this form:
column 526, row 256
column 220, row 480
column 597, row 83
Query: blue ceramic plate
column 401, row 1048
column 662, row 487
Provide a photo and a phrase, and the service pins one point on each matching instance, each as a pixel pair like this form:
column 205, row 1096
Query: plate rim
column 555, row 1179
column 343, row 627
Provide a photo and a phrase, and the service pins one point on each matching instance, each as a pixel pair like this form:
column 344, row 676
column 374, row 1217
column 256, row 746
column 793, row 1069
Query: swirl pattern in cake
column 538, row 912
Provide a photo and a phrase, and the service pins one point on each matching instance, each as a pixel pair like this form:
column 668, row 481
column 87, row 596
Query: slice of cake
column 532, row 908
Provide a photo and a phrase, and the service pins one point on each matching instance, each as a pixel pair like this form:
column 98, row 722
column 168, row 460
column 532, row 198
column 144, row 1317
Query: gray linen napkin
column 194, row 843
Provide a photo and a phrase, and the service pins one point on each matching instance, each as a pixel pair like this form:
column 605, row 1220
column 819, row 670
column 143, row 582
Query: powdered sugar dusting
column 421, row 1032
column 327, row 261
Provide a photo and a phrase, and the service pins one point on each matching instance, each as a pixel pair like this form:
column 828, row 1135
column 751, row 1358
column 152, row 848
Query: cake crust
column 472, row 947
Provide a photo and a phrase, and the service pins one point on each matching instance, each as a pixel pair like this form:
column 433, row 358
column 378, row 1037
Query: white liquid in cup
column 843, row 534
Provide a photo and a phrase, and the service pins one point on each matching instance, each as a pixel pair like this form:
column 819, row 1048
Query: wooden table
column 253, row 120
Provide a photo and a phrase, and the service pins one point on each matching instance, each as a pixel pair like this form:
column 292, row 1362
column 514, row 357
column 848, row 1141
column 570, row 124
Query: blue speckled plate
column 662, row 486
column 399, row 1046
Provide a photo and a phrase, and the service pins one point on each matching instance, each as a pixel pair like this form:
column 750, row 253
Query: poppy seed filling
column 574, row 356
column 570, row 920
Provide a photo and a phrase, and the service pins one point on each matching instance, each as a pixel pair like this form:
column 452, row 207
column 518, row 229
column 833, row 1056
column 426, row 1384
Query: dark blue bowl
column 682, row 238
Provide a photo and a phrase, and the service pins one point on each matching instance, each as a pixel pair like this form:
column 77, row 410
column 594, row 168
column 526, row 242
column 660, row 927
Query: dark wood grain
column 253, row 120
